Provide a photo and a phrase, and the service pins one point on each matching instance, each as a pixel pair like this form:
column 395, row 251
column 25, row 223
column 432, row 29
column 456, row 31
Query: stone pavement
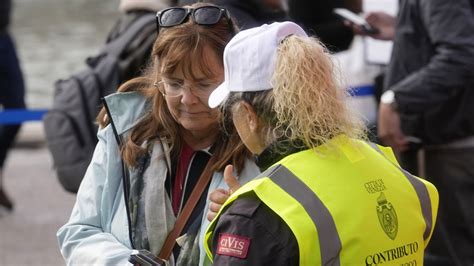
column 28, row 234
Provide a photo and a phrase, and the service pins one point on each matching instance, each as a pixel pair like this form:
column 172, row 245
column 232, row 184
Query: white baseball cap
column 249, row 59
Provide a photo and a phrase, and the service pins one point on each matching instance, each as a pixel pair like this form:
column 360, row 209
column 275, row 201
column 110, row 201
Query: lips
column 194, row 113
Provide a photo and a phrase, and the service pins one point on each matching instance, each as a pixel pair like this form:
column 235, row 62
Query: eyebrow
column 182, row 80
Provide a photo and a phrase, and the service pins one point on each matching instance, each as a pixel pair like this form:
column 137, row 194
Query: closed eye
column 174, row 85
column 204, row 85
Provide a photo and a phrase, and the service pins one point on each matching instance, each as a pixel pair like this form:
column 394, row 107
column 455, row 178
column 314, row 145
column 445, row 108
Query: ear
column 251, row 116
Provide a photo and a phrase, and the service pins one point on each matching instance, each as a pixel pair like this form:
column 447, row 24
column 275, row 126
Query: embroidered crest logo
column 387, row 216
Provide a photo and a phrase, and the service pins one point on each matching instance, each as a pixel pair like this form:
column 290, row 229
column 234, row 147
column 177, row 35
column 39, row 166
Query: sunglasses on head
column 205, row 15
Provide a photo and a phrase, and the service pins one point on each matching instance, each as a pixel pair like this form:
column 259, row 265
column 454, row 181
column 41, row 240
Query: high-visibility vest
column 347, row 202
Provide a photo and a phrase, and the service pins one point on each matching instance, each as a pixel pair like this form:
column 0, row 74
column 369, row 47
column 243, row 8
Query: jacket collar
column 275, row 152
column 126, row 109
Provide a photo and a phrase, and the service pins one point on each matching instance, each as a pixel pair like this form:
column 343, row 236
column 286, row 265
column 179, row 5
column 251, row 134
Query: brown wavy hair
column 176, row 47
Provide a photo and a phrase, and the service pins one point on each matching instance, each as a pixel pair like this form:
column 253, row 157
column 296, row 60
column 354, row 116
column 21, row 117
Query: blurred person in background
column 251, row 13
column 132, row 10
column 326, row 196
column 428, row 103
column 157, row 139
column 317, row 18
column 12, row 92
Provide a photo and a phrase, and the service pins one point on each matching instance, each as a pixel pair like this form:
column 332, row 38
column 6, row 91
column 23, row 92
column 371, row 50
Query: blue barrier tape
column 367, row 90
column 18, row 116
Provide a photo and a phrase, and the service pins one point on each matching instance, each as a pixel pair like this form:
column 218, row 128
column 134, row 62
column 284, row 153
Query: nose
column 188, row 96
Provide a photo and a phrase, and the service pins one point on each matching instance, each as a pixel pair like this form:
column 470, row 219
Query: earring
column 156, row 84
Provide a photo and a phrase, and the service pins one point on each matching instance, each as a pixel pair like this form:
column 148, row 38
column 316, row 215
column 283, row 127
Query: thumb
column 230, row 179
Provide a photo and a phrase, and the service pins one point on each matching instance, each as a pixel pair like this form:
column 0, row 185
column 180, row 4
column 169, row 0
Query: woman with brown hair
column 325, row 196
column 158, row 142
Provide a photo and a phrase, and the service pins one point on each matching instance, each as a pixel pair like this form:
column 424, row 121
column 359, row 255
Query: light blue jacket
column 97, row 232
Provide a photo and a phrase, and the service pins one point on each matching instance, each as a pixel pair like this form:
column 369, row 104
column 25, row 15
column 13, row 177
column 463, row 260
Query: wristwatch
column 388, row 97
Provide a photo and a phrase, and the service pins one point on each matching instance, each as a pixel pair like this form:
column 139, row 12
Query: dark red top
column 181, row 171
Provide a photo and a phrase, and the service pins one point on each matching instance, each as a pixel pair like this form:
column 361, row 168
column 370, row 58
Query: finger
column 213, row 207
column 402, row 143
column 347, row 23
column 219, row 196
column 396, row 140
column 402, row 148
column 230, row 179
column 356, row 29
column 211, row 215
column 372, row 18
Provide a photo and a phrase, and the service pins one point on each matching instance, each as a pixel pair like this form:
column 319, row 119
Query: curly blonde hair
column 308, row 102
column 306, row 107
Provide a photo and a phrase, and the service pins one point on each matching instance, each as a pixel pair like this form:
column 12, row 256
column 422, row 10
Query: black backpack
column 70, row 126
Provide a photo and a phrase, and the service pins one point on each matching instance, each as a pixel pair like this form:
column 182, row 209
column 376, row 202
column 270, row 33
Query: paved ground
column 28, row 234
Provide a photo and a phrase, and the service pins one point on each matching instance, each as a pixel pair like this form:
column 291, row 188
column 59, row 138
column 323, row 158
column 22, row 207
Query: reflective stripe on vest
column 421, row 191
column 329, row 242
column 317, row 215
column 294, row 190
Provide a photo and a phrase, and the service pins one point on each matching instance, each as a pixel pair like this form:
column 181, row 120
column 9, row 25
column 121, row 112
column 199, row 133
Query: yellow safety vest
column 351, row 207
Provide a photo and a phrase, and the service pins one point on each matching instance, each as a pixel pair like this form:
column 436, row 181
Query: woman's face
column 246, row 123
column 187, row 99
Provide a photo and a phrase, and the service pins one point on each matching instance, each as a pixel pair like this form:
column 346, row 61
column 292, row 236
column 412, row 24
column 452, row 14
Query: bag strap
column 183, row 217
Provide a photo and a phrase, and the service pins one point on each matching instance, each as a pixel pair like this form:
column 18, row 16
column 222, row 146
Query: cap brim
column 218, row 95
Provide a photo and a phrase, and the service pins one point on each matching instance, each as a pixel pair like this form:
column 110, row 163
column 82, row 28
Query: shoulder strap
column 183, row 217
column 116, row 46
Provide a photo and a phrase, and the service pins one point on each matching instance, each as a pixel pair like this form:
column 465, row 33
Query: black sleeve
column 270, row 240
column 317, row 18
column 449, row 26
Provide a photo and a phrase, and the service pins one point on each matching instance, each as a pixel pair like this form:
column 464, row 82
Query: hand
column 384, row 22
column 389, row 129
column 219, row 196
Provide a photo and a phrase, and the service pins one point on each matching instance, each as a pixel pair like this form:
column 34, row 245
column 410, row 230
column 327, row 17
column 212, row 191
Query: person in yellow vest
column 325, row 196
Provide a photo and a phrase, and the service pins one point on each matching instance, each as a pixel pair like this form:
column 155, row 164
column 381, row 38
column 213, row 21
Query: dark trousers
column 12, row 91
column 452, row 172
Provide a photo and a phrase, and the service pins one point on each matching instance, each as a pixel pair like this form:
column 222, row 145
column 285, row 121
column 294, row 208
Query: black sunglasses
column 205, row 15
